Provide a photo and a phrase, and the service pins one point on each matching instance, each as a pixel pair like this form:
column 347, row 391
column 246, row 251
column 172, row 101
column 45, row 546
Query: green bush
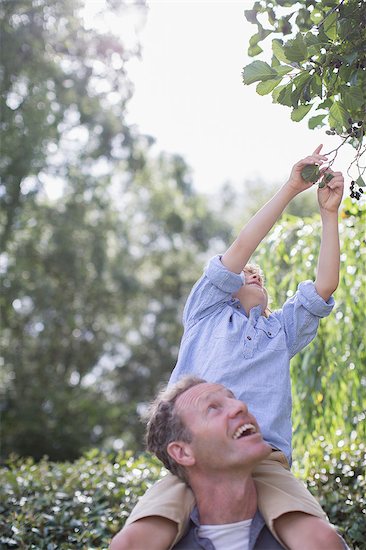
column 338, row 482
column 53, row 505
column 50, row 505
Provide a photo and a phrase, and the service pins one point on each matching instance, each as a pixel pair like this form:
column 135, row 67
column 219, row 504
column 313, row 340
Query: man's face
column 224, row 434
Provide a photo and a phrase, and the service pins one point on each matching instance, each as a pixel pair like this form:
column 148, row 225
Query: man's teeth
column 246, row 429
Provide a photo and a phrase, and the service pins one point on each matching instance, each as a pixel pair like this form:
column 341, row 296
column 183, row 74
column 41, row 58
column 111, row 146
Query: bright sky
column 189, row 95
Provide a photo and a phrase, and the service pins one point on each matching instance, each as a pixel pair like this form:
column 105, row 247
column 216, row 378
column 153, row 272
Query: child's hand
column 330, row 196
column 296, row 182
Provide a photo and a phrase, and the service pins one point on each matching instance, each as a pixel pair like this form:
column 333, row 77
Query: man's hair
column 164, row 424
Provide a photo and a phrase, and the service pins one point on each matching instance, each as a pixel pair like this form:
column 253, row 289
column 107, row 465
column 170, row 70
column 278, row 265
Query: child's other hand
column 330, row 196
column 296, row 182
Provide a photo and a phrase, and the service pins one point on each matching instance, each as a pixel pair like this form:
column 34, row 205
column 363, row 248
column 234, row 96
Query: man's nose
column 237, row 407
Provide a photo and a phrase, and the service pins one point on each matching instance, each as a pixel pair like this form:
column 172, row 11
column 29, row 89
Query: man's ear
column 181, row 452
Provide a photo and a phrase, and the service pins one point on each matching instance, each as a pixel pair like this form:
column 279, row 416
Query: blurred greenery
column 102, row 239
column 93, row 281
column 82, row 505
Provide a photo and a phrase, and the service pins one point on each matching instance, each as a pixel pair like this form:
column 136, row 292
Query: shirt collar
column 255, row 528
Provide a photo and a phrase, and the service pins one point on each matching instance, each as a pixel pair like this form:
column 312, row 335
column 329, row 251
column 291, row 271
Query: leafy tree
column 63, row 94
column 58, row 80
column 318, row 64
column 91, row 282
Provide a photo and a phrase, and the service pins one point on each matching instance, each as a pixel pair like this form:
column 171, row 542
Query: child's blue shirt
column 250, row 355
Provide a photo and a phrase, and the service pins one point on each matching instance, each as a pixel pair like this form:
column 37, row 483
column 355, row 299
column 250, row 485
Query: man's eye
column 212, row 407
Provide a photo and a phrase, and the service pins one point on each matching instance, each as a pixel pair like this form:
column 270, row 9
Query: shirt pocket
column 271, row 338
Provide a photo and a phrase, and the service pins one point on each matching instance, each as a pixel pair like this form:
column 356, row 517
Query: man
column 209, row 439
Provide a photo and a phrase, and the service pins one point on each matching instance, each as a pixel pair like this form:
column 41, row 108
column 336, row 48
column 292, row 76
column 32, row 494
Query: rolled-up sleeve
column 311, row 300
column 222, row 278
column 301, row 314
column 212, row 290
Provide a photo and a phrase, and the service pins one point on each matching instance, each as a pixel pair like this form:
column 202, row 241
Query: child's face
column 253, row 293
column 253, row 275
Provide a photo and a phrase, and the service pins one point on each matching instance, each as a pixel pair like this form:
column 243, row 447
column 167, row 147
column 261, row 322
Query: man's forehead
column 198, row 394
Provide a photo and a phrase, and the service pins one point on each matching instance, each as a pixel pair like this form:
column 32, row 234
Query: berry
column 360, row 190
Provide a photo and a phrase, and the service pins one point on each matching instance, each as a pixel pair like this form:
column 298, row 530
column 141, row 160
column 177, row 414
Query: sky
column 189, row 95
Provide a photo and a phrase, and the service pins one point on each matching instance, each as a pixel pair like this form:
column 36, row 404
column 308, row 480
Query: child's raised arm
column 237, row 256
column 329, row 198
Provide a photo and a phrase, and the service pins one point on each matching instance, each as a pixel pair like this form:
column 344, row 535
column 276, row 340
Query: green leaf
column 352, row 98
column 325, row 179
column 254, row 50
column 351, row 57
column 276, row 92
column 278, row 50
column 310, row 173
column 330, row 25
column 316, row 16
column 338, row 116
column 296, row 49
column 258, row 70
column 264, row 88
column 299, row 113
column 316, row 85
column 325, row 104
column 360, row 182
column 284, row 97
column 312, row 39
column 301, row 88
column 281, row 70
column 316, row 121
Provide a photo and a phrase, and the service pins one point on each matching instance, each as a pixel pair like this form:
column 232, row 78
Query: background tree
column 318, row 64
column 91, row 282
column 58, row 122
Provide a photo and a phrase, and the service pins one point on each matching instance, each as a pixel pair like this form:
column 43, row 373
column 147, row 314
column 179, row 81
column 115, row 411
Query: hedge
column 49, row 505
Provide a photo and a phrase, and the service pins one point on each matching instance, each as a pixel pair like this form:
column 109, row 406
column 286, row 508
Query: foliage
column 70, row 505
column 82, row 505
column 318, row 64
column 336, row 477
column 59, row 83
column 92, row 283
column 328, row 377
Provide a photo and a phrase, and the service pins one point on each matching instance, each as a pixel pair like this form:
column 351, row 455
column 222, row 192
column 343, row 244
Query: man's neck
column 225, row 499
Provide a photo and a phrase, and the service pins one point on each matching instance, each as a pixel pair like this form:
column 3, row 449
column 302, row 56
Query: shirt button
column 270, row 334
column 238, row 307
column 249, row 337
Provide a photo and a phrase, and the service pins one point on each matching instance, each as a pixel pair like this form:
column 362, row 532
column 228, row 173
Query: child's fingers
column 318, row 149
column 312, row 159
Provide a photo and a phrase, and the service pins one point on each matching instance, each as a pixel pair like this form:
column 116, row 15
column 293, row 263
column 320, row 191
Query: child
column 231, row 338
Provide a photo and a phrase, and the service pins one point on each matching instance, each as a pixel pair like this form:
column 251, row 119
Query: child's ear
column 181, row 452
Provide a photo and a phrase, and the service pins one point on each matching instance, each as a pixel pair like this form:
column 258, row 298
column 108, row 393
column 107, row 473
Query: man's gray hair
column 164, row 424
